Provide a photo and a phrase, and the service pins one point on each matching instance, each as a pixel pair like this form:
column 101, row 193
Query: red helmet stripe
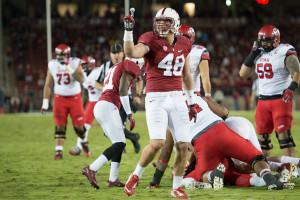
column 163, row 11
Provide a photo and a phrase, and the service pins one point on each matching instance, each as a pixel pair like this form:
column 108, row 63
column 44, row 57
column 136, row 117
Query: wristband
column 249, row 62
column 128, row 36
column 293, row 86
column 189, row 96
column 126, row 104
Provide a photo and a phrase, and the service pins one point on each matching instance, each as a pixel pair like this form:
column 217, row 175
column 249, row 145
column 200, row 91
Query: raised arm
column 246, row 68
column 131, row 50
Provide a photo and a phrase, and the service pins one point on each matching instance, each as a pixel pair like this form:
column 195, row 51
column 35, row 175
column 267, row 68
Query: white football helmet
column 139, row 61
column 165, row 29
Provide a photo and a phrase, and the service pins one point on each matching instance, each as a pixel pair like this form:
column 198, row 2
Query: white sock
column 257, row 181
column 99, row 162
column 287, row 159
column 264, row 172
column 87, row 128
column 114, row 171
column 177, row 181
column 274, row 166
column 59, row 148
column 139, row 170
column 79, row 143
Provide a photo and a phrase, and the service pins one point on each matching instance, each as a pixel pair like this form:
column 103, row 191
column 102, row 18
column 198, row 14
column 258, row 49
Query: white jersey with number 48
column 64, row 83
column 271, row 71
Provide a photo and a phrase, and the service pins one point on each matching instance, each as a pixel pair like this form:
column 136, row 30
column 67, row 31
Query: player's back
column 205, row 118
column 112, row 79
column 64, row 83
column 164, row 62
column 272, row 74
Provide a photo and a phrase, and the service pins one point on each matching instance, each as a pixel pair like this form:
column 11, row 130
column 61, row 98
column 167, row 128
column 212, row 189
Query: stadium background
column 226, row 27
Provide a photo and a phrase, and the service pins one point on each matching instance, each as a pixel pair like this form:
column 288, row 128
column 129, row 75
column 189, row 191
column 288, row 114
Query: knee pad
column 258, row 158
column 113, row 150
column 60, row 134
column 80, row 133
column 266, row 142
column 287, row 142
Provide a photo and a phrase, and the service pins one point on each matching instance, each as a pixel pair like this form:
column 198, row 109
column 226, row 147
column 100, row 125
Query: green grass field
column 27, row 170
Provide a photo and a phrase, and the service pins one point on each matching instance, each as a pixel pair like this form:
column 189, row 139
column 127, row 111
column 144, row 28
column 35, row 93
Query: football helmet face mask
column 87, row 63
column 166, row 22
column 187, row 31
column 62, row 52
column 268, row 34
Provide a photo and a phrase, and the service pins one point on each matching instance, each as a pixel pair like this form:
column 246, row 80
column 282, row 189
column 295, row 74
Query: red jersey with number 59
column 112, row 78
column 164, row 62
column 273, row 76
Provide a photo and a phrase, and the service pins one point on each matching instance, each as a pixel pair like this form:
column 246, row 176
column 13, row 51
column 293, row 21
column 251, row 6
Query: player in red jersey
column 198, row 65
column 115, row 92
column 166, row 67
column 65, row 73
column 278, row 70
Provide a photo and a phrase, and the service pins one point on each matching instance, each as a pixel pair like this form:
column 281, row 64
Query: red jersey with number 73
column 112, row 78
column 164, row 62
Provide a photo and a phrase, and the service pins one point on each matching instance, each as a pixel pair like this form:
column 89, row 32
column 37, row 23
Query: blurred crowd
column 229, row 41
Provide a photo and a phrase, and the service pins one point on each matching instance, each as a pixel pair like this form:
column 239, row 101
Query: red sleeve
column 205, row 55
column 291, row 51
column 146, row 38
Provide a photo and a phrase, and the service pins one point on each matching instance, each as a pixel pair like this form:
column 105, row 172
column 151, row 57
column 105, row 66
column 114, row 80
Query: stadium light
column 262, row 1
column 189, row 8
column 228, row 2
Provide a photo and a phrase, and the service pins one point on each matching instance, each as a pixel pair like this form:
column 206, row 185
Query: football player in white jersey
column 213, row 141
column 65, row 73
column 278, row 70
column 199, row 65
column 94, row 88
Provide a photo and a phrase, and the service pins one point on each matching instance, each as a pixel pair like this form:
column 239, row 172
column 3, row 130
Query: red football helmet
column 63, row 49
column 269, row 32
column 187, row 31
column 165, row 29
column 88, row 63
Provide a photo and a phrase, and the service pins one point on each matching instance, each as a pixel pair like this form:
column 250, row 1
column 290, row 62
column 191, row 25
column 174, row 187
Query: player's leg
column 108, row 117
column 246, row 152
column 264, row 126
column 163, row 160
column 157, row 119
column 60, row 114
column 178, row 124
column 83, row 143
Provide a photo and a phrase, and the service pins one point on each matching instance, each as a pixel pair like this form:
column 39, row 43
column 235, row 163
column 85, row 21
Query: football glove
column 129, row 23
column 193, row 112
column 131, row 120
column 289, row 92
column 287, row 95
